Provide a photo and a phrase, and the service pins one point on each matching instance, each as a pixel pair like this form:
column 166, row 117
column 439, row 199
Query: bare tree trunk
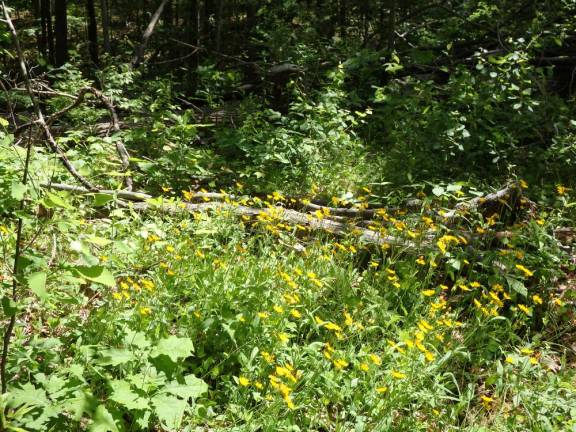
column 342, row 17
column 105, row 25
column 139, row 54
column 61, row 30
column 46, row 43
column 92, row 32
column 219, row 22
column 392, row 26
column 193, row 39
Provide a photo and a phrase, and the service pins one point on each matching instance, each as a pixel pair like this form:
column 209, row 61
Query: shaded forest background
column 288, row 215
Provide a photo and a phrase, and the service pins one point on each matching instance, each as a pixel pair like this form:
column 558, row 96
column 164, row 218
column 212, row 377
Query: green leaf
column 9, row 306
column 98, row 241
column 96, row 274
column 454, row 187
column 102, row 421
column 169, row 410
column 137, row 339
column 116, row 356
column 125, row 396
column 193, row 388
column 3, row 122
column 18, row 190
column 101, row 199
column 54, row 200
column 174, row 347
column 517, row 286
column 28, row 395
column 37, row 283
column 438, row 191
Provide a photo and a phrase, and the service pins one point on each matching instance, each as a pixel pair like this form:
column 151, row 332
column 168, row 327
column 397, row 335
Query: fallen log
column 493, row 203
column 275, row 213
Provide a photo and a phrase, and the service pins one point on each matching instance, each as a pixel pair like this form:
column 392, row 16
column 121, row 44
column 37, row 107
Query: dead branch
column 139, row 54
column 78, row 99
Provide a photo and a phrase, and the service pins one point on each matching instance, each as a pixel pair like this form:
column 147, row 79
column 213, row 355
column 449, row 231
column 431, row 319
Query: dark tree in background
column 61, row 32
column 92, row 31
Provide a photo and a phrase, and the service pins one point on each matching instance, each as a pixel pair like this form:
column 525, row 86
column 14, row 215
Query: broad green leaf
column 193, row 388
column 438, row 191
column 169, row 410
column 453, row 187
column 28, row 395
column 173, row 347
column 3, row 122
column 96, row 274
column 37, row 283
column 54, row 200
column 517, row 286
column 9, row 306
column 101, row 199
column 125, row 396
column 137, row 339
column 18, row 190
column 116, row 356
column 98, row 241
column 102, row 421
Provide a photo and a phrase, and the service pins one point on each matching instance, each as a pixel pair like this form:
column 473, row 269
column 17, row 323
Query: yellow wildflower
column 243, row 381
column 334, row 327
column 524, row 270
column 561, row 190
column 348, row 319
column 397, row 375
column 295, row 314
column 269, row 358
column 420, row 260
column 381, row 390
column 145, row 311
column 537, row 299
column 486, row 401
column 289, row 402
column 375, row 358
column 524, row 309
column 340, row 363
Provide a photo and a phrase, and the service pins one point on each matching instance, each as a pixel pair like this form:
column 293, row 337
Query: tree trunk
column 219, row 24
column 105, row 25
column 61, row 30
column 193, row 39
column 392, row 26
column 342, row 17
column 46, row 43
column 92, row 31
column 169, row 14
